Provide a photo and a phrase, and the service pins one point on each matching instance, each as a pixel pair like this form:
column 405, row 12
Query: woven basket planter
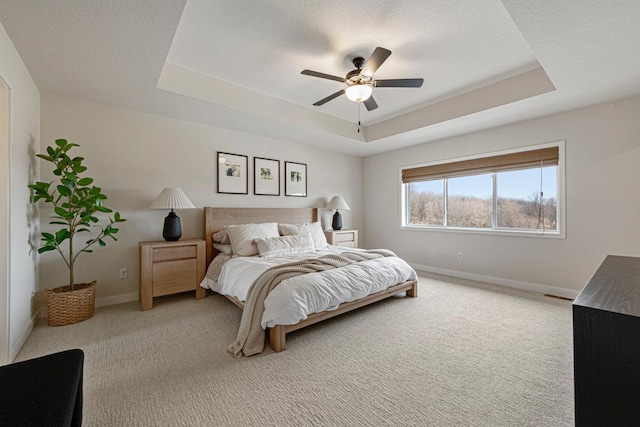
column 66, row 306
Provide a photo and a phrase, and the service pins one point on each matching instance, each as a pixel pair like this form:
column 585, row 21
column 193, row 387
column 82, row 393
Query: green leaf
column 85, row 181
column 102, row 243
column 49, row 152
column 62, row 212
column 68, row 182
column 58, row 223
column 62, row 235
column 45, row 157
column 64, row 190
column 46, row 249
column 63, row 162
column 87, row 250
column 61, row 142
column 47, row 236
column 81, row 230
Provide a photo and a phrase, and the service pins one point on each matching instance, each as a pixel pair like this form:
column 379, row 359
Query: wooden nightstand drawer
column 347, row 238
column 180, row 252
column 171, row 277
column 171, row 267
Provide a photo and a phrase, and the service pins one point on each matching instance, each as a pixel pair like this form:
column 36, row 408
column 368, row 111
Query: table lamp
column 337, row 203
column 172, row 198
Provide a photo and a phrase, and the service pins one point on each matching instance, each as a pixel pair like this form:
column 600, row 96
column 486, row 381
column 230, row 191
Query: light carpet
column 461, row 354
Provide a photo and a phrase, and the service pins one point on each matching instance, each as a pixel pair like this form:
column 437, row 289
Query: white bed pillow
column 223, row 248
column 242, row 236
column 220, row 237
column 272, row 246
column 313, row 228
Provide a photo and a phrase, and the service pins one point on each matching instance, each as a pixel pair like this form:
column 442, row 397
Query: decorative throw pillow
column 221, row 237
column 223, row 248
column 313, row 228
column 242, row 236
column 272, row 246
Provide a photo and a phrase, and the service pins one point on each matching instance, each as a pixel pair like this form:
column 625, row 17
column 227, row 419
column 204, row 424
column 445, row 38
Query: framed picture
column 233, row 173
column 295, row 179
column 266, row 177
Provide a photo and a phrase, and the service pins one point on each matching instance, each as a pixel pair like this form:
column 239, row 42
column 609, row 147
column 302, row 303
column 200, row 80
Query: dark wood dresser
column 606, row 345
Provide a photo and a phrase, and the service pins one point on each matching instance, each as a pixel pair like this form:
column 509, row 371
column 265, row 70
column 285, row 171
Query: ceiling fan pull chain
column 359, row 104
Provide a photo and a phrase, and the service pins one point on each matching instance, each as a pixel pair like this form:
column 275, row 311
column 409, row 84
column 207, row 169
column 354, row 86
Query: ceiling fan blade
column 370, row 103
column 375, row 61
column 322, row 75
column 329, row 98
column 399, row 83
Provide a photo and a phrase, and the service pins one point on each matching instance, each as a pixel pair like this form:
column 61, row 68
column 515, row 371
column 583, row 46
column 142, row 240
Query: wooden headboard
column 215, row 219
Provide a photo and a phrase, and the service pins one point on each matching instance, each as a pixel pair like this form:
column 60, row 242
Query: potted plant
column 76, row 203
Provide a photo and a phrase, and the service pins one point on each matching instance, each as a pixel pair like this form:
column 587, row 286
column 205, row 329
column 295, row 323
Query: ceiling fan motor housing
column 354, row 77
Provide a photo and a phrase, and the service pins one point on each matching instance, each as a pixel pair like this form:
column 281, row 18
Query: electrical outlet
column 124, row 273
column 460, row 256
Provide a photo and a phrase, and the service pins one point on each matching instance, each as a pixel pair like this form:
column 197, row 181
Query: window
column 470, row 201
column 514, row 192
column 427, row 198
column 518, row 194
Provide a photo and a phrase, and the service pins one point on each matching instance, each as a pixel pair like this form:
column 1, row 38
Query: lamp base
column 337, row 221
column 172, row 230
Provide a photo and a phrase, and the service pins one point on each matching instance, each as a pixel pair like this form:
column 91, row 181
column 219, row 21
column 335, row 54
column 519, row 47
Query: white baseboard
column 527, row 286
column 16, row 346
column 116, row 299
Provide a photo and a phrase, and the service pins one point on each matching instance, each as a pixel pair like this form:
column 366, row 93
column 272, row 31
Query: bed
column 216, row 219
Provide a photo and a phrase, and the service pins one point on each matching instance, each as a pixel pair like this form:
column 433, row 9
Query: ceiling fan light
column 359, row 93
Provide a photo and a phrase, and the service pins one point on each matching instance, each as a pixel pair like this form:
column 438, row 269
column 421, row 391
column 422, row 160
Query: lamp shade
column 172, row 198
column 337, row 202
column 359, row 92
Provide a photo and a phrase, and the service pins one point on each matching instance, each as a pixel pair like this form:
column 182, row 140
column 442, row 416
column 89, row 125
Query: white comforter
column 295, row 298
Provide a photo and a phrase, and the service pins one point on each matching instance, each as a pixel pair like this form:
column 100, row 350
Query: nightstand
column 170, row 267
column 348, row 238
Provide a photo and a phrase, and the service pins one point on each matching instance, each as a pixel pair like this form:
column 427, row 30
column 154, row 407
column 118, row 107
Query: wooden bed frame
column 216, row 219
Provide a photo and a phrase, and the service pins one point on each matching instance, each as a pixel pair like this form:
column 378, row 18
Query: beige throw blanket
column 250, row 338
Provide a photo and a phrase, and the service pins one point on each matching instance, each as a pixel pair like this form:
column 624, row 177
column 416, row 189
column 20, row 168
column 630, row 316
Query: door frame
column 5, row 222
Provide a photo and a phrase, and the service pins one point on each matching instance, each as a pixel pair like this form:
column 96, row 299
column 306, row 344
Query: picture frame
column 233, row 173
column 266, row 176
column 295, row 179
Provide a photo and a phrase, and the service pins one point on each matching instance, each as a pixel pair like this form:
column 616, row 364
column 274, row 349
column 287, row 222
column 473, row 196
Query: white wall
column 22, row 218
column 602, row 202
column 133, row 156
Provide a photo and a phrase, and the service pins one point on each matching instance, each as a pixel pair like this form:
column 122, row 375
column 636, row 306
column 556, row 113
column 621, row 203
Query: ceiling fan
column 360, row 82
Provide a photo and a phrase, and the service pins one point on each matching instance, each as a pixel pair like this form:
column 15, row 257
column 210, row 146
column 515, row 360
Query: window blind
column 505, row 162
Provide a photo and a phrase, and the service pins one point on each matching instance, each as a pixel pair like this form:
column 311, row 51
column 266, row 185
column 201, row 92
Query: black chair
column 46, row 391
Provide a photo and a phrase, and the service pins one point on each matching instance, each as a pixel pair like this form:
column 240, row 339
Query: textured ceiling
column 237, row 64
